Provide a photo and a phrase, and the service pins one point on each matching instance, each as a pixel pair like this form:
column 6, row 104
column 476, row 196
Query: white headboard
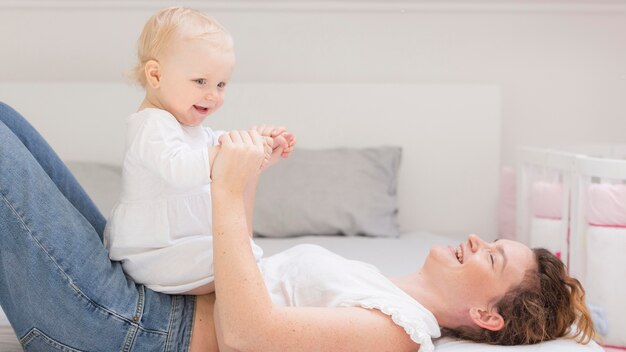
column 450, row 134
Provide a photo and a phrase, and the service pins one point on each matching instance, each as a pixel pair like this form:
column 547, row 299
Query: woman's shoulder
column 418, row 322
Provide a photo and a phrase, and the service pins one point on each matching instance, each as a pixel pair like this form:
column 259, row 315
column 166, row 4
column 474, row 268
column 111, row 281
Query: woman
column 60, row 291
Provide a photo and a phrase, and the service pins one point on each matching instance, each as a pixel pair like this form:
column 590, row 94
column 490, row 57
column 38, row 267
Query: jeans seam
column 66, row 276
column 173, row 310
column 141, row 296
column 34, row 332
column 130, row 338
column 189, row 332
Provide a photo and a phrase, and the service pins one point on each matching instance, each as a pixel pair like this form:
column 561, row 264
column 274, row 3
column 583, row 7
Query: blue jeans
column 58, row 287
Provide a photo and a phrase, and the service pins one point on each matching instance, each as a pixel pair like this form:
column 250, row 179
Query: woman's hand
column 241, row 155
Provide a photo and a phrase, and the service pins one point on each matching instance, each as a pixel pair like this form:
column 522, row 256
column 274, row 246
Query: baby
column 161, row 228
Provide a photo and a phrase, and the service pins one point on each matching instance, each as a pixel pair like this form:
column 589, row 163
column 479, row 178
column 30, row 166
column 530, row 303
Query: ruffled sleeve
column 416, row 320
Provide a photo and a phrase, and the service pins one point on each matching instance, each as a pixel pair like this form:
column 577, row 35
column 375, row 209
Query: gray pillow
column 330, row 192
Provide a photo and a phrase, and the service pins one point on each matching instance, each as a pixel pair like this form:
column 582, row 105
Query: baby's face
column 194, row 75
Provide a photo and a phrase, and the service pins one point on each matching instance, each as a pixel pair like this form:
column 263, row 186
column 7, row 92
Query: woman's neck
column 419, row 287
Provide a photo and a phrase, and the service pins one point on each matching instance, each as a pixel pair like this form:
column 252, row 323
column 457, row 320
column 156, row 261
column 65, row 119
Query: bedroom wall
column 561, row 64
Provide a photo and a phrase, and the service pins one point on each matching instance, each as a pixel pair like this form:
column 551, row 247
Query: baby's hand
column 290, row 141
column 282, row 142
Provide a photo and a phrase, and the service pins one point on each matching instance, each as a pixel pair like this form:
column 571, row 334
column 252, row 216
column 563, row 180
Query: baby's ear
column 487, row 319
column 152, row 70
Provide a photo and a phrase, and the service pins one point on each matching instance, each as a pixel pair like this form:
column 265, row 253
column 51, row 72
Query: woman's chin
column 440, row 254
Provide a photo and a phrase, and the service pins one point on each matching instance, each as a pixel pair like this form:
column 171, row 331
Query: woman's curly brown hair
column 543, row 307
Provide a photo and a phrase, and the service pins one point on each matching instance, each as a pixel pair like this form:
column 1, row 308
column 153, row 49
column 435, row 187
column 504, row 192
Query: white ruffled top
column 311, row 276
column 161, row 229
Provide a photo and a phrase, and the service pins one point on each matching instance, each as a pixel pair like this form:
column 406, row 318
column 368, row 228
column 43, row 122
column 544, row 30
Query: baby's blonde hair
column 176, row 23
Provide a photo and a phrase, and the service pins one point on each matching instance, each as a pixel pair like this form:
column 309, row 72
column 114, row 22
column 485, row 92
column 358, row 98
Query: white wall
column 445, row 171
column 561, row 64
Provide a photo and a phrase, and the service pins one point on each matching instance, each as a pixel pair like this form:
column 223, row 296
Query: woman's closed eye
column 493, row 261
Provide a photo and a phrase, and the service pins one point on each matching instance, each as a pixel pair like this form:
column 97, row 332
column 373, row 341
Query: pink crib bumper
column 605, row 205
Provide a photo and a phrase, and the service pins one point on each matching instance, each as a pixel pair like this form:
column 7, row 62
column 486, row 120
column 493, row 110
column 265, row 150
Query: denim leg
column 58, row 287
column 53, row 166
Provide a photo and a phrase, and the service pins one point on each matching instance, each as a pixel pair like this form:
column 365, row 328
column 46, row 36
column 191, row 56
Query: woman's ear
column 152, row 70
column 490, row 320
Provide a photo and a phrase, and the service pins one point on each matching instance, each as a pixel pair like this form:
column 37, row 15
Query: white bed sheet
column 560, row 345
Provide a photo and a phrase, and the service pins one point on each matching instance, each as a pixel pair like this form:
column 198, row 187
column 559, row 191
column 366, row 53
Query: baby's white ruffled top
column 161, row 228
column 311, row 276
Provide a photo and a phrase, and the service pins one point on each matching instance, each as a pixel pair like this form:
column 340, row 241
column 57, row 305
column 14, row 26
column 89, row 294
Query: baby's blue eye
column 200, row 81
column 221, row 84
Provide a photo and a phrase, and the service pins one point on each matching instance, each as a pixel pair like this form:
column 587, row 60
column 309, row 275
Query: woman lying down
column 58, row 286
column 309, row 299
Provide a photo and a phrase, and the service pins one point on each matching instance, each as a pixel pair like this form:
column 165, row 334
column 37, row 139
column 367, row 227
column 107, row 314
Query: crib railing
column 586, row 171
column 535, row 164
column 594, row 244
column 575, row 171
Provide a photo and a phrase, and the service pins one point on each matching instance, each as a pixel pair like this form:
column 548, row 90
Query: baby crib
column 572, row 201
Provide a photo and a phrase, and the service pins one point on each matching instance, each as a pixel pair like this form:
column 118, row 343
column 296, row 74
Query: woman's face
column 477, row 273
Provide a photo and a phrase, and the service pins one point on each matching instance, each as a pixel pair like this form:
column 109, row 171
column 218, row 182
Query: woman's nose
column 475, row 242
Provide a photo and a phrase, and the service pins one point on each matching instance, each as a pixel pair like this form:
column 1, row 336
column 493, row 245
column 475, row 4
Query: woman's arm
column 249, row 199
column 248, row 321
column 249, row 193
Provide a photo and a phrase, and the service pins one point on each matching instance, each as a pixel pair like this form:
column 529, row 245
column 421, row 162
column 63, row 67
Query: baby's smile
column 201, row 109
